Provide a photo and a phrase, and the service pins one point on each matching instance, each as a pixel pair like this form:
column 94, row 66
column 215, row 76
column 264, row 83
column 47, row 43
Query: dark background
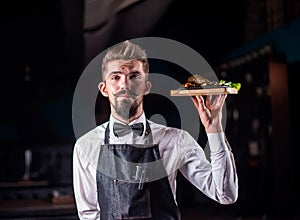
column 47, row 44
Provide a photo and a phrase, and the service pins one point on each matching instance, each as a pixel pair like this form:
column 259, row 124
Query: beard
column 126, row 108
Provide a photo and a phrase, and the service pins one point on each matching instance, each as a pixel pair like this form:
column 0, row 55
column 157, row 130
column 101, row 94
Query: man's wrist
column 214, row 129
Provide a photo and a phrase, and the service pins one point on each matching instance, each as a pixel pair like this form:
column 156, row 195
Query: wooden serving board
column 210, row 91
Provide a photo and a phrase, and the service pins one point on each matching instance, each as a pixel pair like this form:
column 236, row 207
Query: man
column 126, row 168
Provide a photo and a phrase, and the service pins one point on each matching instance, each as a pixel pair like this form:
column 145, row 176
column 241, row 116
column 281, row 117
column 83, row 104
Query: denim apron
column 128, row 188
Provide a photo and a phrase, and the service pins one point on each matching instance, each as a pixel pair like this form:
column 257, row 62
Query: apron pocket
column 131, row 201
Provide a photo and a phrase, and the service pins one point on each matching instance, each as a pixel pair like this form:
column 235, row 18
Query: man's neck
column 127, row 121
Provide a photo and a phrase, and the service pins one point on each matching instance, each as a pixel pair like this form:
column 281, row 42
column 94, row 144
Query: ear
column 148, row 88
column 102, row 88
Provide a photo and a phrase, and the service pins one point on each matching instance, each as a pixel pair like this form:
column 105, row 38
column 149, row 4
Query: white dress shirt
column 179, row 151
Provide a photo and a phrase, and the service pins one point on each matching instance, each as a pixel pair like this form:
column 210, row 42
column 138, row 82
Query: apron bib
column 126, row 183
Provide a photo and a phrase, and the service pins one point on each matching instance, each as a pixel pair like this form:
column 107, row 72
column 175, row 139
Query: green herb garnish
column 237, row 86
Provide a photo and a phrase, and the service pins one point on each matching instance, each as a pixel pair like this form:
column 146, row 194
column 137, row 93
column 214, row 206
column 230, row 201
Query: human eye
column 114, row 77
column 135, row 75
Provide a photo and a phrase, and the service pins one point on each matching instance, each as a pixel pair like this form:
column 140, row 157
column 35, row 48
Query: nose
column 124, row 82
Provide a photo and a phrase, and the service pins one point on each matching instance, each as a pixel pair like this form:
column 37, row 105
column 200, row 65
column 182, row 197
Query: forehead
column 119, row 65
column 122, row 65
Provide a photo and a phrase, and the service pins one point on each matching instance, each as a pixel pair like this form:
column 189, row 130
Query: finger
column 208, row 101
column 220, row 99
column 223, row 98
column 213, row 101
column 195, row 101
column 200, row 102
column 217, row 102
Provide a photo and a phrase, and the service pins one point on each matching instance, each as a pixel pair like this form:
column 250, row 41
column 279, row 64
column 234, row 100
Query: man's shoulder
column 165, row 129
column 88, row 145
column 96, row 133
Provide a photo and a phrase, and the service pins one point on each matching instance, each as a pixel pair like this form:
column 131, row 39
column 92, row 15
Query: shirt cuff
column 216, row 142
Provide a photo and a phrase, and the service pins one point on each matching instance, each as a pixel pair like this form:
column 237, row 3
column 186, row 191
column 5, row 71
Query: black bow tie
column 121, row 129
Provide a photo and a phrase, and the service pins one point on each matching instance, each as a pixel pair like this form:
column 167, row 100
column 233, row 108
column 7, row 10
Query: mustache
column 125, row 92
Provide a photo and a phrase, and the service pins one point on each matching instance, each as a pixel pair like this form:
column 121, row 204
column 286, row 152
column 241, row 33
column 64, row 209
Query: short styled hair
column 125, row 50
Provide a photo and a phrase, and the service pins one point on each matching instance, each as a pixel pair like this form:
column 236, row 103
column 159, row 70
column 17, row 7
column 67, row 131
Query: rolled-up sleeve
column 216, row 178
